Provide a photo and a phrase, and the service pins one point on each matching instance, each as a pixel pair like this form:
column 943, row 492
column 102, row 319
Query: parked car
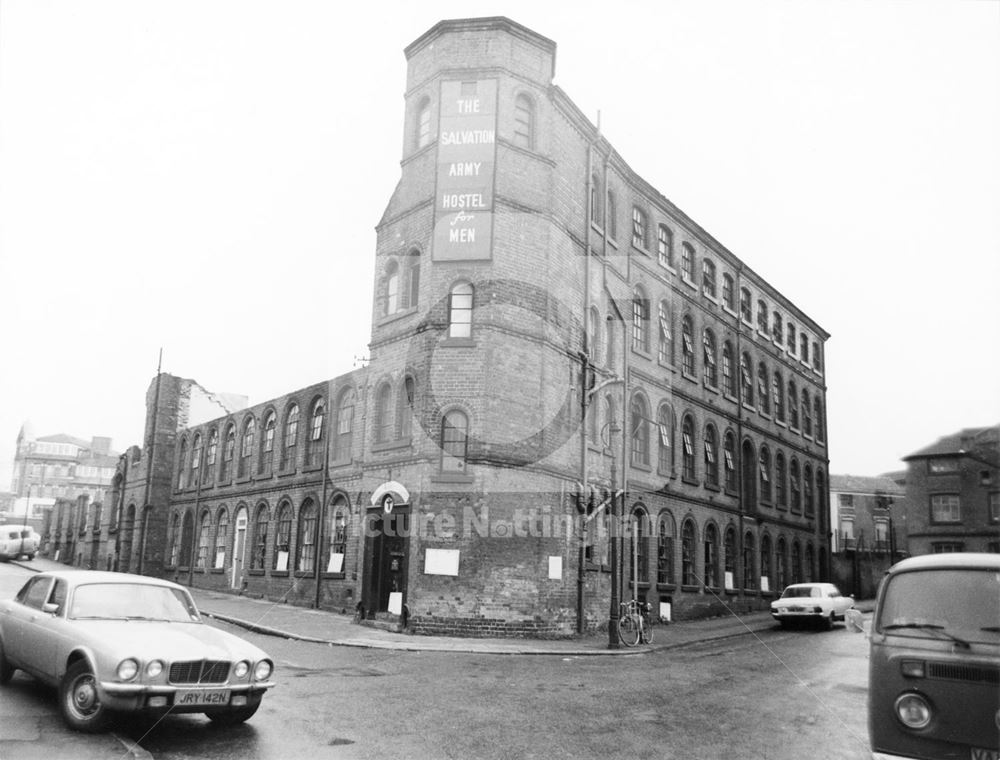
column 18, row 541
column 815, row 602
column 113, row 642
column 934, row 659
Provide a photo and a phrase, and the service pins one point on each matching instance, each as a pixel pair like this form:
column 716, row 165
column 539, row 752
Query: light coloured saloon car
column 814, row 602
column 113, row 642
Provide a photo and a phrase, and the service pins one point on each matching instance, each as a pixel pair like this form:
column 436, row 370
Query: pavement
column 334, row 629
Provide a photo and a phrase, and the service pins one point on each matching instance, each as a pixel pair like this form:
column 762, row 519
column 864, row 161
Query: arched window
column 790, row 335
column 611, row 209
column 807, row 490
column 423, row 124
column 665, row 246
column 665, row 440
column 460, row 302
column 261, row 522
column 211, row 455
column 182, row 465
column 204, row 540
column 708, row 277
column 228, row 450
column 749, row 563
column 283, row 537
column 687, row 349
column 729, row 455
column 187, row 539
column 267, row 443
column 762, row 312
column 729, row 558
column 728, row 378
column 711, row 456
column 746, row 309
column 639, row 551
column 640, row 320
column 314, row 444
column 639, row 228
column 777, row 332
column 818, row 413
column 291, row 437
column 765, row 564
column 781, row 565
column 746, row 381
column 764, row 459
column 404, row 408
column 796, row 562
column 345, row 425
column 454, row 441
column 689, row 576
column 793, row 405
column 687, row 456
column 390, row 289
column 665, row 549
column 196, row 460
column 778, row 396
column 687, row 262
column 524, row 122
column 711, row 556
column 807, row 420
column 246, row 446
column 763, row 388
column 780, row 481
column 796, row 485
column 337, row 532
column 383, row 413
column 221, row 539
column 307, row 537
column 710, row 372
column 411, row 296
column 175, row 539
column 640, row 431
column 728, row 292
column 665, row 343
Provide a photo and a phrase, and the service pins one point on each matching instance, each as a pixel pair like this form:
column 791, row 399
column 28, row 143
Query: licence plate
column 202, row 697
column 984, row 754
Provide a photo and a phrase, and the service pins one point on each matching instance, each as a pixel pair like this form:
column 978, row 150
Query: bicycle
column 634, row 624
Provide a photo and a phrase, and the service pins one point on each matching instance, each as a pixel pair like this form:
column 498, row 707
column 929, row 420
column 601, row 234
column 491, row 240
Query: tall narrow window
column 795, row 483
column 267, row 443
column 221, row 539
column 460, row 311
column 246, row 446
column 204, row 540
column 687, row 456
column 807, row 491
column 807, row 420
column 665, row 246
column 524, row 122
column 765, row 474
column 729, row 558
column 423, row 136
column 708, row 277
column 665, row 440
column 454, row 441
column 640, row 431
column 746, row 310
column 711, row 556
column 640, row 321
column 639, row 228
column 687, row 262
column 780, row 487
column 314, row 445
column 665, row 549
column 383, row 413
column 665, row 342
column 777, row 333
column 291, row 437
column 307, row 537
column 182, row 466
column 210, row 456
column 710, row 371
column 804, row 347
column 729, row 455
column 818, row 414
column 763, row 391
column 793, row 405
column 790, row 333
column 611, row 209
column 390, row 296
column 345, row 425
column 749, row 563
column 728, row 292
column 259, row 554
column 283, row 537
column 595, row 200
column 711, row 457
column 728, row 377
column 762, row 313
column 689, row 576
column 196, row 460
column 640, row 548
column 412, row 279
column 339, row 515
column 746, row 381
column 228, row 449
column 687, row 350
column 404, row 408
column 778, row 396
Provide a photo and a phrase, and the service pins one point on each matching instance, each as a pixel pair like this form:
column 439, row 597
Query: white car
column 815, row 602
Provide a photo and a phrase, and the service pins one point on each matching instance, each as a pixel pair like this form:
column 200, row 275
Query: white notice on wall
column 665, row 612
column 729, row 580
column 336, row 563
column 765, row 583
column 395, row 602
column 220, row 559
column 282, row 563
column 441, row 561
column 555, row 568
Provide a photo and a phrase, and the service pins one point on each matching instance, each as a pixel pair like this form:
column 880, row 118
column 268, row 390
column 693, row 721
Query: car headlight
column 913, row 710
column 262, row 670
column 127, row 669
column 154, row 668
column 241, row 669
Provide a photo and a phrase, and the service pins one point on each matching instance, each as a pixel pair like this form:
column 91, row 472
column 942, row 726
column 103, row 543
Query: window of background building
column 790, row 332
column 687, row 350
column 728, row 378
column 711, row 457
column 946, row 508
column 687, row 456
column 777, row 332
column 764, row 398
column 665, row 246
column 221, row 539
column 524, row 122
column 729, row 457
column 454, row 441
column 246, row 446
column 640, row 320
column 639, row 228
column 460, row 310
column 708, row 277
column 406, row 407
column 611, row 211
column 938, row 466
column 665, row 342
column 595, row 205
column 762, row 316
column 687, row 262
column 259, row 539
column 710, row 372
column 390, row 299
column 665, row 549
column 665, row 455
column 689, row 576
column 746, row 309
column 728, row 292
column 307, row 537
column 383, row 413
column 283, row 537
column 640, row 431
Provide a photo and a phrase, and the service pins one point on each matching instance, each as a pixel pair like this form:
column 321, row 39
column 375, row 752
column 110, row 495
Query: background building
column 555, row 344
column 954, row 494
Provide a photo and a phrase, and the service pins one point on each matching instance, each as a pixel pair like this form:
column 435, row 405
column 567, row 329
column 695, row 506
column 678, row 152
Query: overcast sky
column 206, row 177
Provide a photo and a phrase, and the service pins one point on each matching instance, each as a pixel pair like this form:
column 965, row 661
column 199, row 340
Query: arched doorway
column 387, row 546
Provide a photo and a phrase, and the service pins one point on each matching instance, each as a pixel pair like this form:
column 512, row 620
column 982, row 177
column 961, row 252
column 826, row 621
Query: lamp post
column 614, row 537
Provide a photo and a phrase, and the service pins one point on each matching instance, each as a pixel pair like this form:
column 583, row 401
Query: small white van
column 17, row 541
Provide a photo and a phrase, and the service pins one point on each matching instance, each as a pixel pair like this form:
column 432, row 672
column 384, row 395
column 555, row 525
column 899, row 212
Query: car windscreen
column 131, row 601
column 960, row 602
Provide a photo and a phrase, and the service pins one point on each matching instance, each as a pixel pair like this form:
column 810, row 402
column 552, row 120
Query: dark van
column 934, row 665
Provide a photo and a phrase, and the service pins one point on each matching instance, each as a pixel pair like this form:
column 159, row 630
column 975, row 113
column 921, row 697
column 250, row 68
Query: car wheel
column 232, row 717
column 828, row 622
column 6, row 669
column 79, row 702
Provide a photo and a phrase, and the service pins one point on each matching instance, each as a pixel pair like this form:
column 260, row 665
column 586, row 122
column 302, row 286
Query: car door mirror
column 51, row 608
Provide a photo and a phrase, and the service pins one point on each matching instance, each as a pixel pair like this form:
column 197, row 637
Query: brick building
column 552, row 340
column 953, row 490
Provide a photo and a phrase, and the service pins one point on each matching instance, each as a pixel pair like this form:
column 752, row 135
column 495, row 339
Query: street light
column 614, row 538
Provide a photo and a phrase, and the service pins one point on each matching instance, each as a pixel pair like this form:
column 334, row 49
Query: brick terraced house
column 552, row 341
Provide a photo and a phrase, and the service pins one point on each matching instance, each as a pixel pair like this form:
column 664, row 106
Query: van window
column 963, row 602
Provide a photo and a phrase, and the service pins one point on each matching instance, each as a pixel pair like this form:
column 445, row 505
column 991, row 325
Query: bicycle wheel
column 647, row 630
column 628, row 630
